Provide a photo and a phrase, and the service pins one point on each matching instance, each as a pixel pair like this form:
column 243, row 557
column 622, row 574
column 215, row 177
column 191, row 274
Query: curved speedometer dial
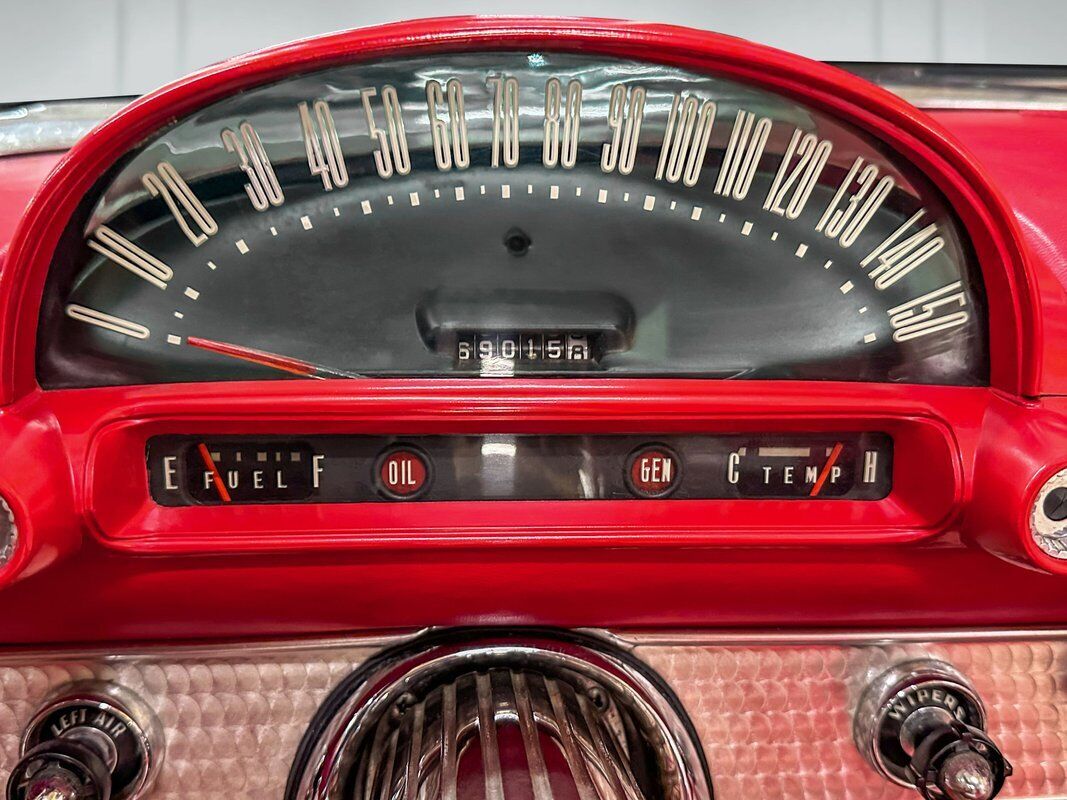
column 512, row 213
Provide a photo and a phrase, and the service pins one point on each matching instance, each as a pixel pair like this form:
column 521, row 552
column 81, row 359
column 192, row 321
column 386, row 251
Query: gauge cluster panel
column 512, row 214
column 186, row 470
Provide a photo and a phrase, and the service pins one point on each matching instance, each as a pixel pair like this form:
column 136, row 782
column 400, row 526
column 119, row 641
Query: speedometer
column 512, row 213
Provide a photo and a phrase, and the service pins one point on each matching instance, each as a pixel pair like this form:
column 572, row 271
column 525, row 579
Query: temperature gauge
column 850, row 465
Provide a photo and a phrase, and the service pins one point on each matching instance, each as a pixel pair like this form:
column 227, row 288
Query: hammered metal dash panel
column 232, row 723
column 776, row 721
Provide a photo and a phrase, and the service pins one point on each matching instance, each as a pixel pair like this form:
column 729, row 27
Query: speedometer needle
column 825, row 472
column 293, row 366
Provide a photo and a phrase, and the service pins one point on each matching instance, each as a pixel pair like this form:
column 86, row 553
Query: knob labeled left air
column 90, row 741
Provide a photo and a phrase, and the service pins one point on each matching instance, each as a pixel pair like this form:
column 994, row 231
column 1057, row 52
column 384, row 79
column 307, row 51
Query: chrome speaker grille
column 420, row 751
column 494, row 720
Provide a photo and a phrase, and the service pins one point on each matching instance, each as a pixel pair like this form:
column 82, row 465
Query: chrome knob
column 968, row 776
column 90, row 741
column 921, row 724
column 60, row 770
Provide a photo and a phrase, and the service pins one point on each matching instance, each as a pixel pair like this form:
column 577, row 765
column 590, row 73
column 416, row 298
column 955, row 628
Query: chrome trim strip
column 53, row 126
column 13, row 655
column 988, row 87
column 858, row 638
column 56, row 125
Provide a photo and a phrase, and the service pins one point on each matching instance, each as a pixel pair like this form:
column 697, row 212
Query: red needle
column 216, row 478
column 283, row 363
column 825, row 473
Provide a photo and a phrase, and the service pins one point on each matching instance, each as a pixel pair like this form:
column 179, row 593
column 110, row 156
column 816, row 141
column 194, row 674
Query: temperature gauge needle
column 293, row 366
column 216, row 478
column 824, row 473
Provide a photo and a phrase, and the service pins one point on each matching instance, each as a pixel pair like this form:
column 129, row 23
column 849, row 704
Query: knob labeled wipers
column 921, row 724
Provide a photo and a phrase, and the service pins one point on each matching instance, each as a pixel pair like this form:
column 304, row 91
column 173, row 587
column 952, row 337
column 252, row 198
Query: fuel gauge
column 212, row 472
column 848, row 465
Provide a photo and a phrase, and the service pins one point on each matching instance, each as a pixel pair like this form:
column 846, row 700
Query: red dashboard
column 951, row 544
column 524, row 408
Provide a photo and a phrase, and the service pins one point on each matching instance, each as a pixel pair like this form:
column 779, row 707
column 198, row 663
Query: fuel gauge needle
column 216, row 478
column 293, row 366
column 825, row 472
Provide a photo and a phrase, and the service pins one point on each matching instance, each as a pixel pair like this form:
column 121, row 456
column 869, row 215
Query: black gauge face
column 185, row 470
column 512, row 213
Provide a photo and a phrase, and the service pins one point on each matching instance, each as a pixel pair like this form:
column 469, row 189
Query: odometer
column 512, row 213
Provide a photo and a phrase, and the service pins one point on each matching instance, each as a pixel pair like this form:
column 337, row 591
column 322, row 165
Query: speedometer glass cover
column 512, row 213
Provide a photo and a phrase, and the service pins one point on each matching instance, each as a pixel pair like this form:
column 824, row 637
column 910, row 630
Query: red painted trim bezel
column 926, row 499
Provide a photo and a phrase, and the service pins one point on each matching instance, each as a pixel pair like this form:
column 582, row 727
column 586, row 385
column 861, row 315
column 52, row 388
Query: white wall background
column 90, row 48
